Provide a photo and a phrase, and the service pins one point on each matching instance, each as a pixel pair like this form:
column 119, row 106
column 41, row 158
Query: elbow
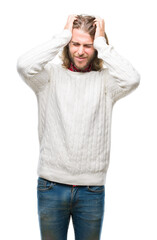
column 134, row 80
column 20, row 66
column 137, row 79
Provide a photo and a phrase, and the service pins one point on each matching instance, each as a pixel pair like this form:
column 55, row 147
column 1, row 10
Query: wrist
column 67, row 32
column 99, row 35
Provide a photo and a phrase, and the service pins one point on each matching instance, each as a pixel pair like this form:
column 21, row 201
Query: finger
column 71, row 17
column 100, row 23
column 74, row 17
column 98, row 20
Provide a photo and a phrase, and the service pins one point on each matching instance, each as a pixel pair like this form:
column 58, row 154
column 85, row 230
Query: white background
column 131, row 187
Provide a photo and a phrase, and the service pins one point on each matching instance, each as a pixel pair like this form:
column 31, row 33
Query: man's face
column 81, row 50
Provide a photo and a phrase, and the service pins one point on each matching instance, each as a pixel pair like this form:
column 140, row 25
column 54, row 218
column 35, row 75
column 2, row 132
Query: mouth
column 80, row 59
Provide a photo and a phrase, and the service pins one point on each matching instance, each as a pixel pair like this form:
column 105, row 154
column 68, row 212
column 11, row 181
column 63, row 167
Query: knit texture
column 75, row 110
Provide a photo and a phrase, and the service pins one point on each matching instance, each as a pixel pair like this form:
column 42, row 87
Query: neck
column 73, row 68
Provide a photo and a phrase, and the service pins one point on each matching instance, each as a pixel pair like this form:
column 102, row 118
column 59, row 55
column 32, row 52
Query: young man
column 75, row 102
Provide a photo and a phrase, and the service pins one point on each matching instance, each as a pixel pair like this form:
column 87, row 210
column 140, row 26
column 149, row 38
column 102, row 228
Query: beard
column 85, row 63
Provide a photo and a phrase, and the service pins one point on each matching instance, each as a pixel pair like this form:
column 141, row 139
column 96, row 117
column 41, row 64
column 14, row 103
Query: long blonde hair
column 85, row 23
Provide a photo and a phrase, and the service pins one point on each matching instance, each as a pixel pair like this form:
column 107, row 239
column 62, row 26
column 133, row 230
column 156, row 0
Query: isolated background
column 131, row 192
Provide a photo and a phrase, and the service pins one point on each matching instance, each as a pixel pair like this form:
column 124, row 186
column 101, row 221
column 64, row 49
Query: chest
column 79, row 92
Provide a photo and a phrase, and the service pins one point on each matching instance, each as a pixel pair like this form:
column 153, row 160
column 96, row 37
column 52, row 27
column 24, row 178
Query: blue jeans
column 57, row 202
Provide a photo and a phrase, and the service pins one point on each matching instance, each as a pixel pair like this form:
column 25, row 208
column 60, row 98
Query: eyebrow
column 87, row 44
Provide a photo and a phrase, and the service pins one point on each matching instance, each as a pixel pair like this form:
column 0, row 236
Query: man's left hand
column 100, row 27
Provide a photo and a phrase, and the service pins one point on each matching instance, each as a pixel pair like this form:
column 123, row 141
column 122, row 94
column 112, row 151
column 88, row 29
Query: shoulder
column 51, row 66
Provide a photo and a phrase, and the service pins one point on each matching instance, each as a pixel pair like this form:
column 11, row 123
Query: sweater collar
column 73, row 68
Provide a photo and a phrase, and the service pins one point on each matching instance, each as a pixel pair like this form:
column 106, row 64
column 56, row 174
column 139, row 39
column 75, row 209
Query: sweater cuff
column 67, row 33
column 99, row 43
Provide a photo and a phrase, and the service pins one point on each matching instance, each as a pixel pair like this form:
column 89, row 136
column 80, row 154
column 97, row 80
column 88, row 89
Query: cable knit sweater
column 75, row 110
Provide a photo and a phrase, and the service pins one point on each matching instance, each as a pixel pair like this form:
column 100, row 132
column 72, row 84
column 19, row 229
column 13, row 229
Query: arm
column 33, row 66
column 122, row 77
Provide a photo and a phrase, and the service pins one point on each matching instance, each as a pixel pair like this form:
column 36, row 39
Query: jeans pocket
column 44, row 185
column 96, row 189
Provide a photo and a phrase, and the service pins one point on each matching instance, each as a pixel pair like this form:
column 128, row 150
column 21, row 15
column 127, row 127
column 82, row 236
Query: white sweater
column 75, row 110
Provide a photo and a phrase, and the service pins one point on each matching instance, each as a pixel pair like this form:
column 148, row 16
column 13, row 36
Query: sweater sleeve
column 33, row 66
column 122, row 77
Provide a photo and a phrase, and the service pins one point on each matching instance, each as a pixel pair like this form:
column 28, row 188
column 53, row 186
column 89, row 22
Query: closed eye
column 88, row 45
column 85, row 45
column 75, row 44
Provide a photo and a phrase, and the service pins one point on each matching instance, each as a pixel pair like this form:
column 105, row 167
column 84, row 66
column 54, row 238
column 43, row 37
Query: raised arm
column 122, row 77
column 33, row 65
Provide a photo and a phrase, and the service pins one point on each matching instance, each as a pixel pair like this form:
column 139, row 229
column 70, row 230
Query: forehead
column 81, row 37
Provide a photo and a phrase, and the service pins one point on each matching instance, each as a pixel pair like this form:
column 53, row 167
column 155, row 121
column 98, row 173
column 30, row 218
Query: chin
column 81, row 67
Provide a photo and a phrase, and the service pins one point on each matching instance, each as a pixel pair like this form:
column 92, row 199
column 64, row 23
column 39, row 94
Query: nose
column 80, row 50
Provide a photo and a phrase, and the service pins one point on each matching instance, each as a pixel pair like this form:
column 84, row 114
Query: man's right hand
column 70, row 20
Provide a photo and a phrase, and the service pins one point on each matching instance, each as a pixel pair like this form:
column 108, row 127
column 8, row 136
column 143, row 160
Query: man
column 75, row 103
